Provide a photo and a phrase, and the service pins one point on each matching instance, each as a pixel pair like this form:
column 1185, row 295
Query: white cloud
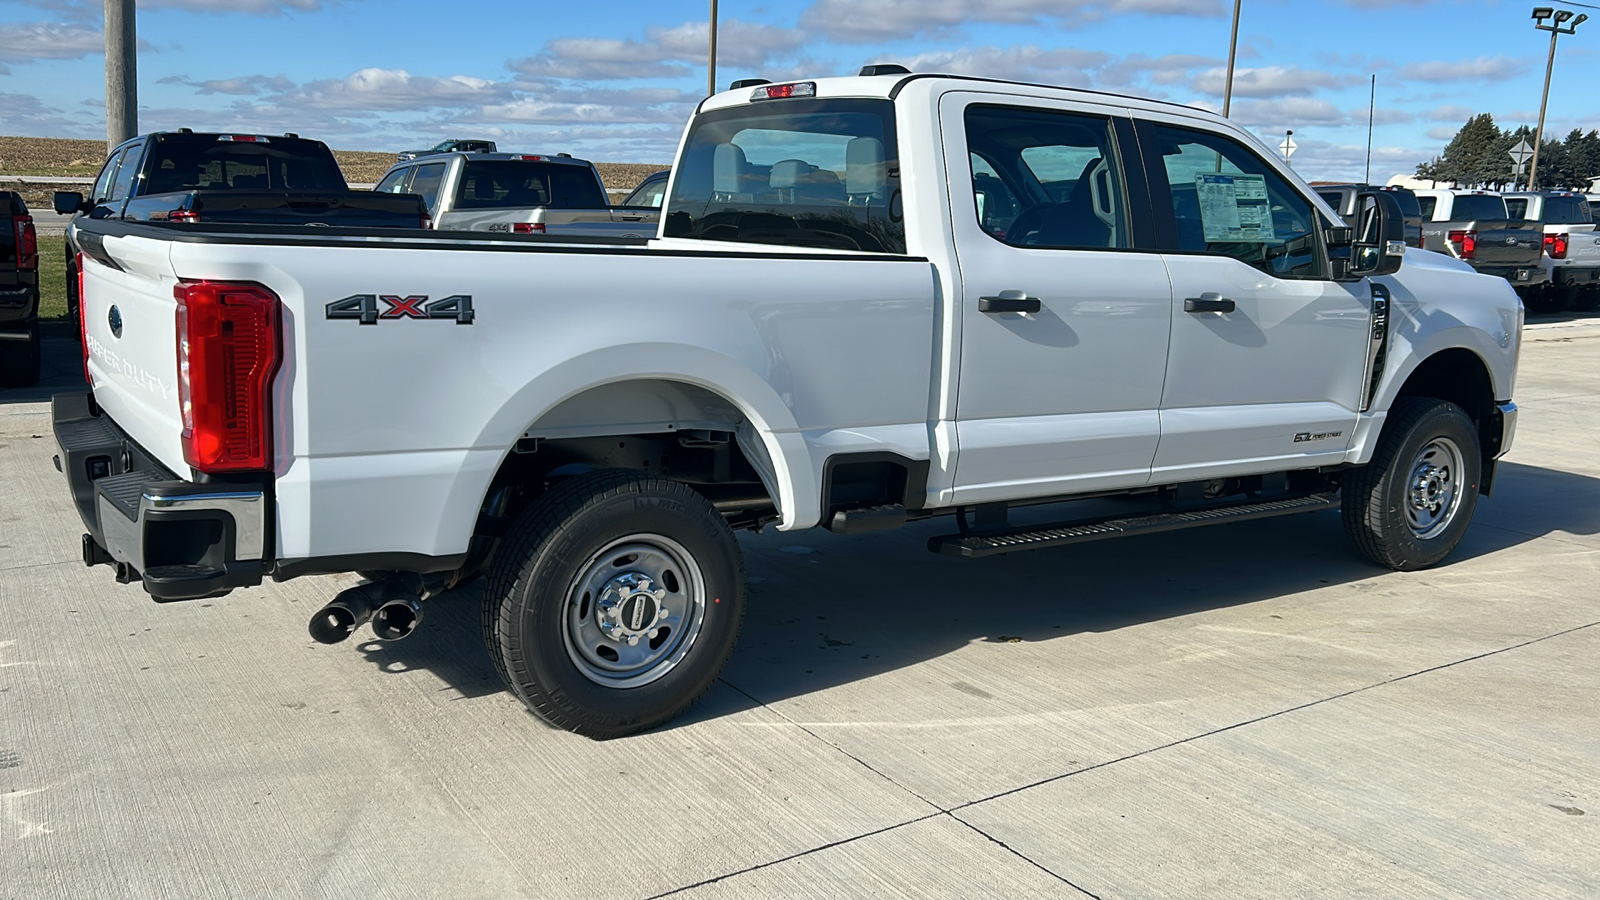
column 863, row 21
column 256, row 7
column 1269, row 81
column 1289, row 112
column 1174, row 68
column 1484, row 68
column 664, row 53
column 29, row 41
column 1065, row 66
column 244, row 85
column 395, row 89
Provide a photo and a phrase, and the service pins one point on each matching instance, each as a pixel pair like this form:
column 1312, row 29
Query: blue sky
column 615, row 80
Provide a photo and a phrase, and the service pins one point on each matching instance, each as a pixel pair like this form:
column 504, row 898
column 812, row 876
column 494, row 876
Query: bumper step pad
column 975, row 545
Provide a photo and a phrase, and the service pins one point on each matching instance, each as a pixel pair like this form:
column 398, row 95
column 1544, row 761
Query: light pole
column 122, row 81
column 1558, row 26
column 1233, row 46
column 711, row 54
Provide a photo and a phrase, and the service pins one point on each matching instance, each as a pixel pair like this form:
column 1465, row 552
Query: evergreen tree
column 1467, row 159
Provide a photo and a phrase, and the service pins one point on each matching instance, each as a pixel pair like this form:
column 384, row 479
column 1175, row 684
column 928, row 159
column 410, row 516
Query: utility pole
column 711, row 56
column 1233, row 46
column 1557, row 27
column 122, row 80
column 1372, row 103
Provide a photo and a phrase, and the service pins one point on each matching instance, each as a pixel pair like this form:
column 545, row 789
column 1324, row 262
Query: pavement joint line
column 1272, row 715
column 828, row 846
column 1019, row 855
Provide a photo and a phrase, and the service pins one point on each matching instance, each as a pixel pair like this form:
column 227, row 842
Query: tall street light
column 711, row 54
column 1233, row 45
column 1558, row 25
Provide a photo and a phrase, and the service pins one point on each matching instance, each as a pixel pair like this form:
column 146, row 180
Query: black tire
column 1588, row 299
column 1391, row 524
column 1545, row 300
column 549, row 570
column 19, row 360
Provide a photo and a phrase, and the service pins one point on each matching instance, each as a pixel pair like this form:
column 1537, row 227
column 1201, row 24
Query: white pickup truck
column 516, row 193
column 1571, row 248
column 873, row 299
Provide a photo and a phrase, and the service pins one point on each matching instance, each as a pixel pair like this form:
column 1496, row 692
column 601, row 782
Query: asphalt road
column 1242, row 711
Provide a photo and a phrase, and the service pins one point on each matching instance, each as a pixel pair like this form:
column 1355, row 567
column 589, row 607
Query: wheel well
column 675, row 430
column 1456, row 375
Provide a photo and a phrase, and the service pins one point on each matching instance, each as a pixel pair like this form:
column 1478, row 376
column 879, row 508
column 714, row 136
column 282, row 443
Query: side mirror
column 1380, row 235
column 69, row 203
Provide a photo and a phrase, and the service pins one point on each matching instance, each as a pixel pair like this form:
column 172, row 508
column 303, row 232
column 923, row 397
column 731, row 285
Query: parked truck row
column 869, row 301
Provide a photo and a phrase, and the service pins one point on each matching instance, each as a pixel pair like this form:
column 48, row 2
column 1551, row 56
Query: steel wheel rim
column 1434, row 488
column 634, row 610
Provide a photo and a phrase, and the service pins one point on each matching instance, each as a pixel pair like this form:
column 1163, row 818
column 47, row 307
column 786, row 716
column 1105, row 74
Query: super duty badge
column 364, row 308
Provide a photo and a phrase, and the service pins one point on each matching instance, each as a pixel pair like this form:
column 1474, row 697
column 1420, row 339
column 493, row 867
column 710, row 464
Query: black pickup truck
column 230, row 179
column 19, row 294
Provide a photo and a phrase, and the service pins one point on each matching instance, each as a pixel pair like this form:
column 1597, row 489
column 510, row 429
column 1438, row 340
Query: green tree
column 1468, row 158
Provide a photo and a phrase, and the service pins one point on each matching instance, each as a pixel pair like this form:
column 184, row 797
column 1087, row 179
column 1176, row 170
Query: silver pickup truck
column 1571, row 248
column 517, row 193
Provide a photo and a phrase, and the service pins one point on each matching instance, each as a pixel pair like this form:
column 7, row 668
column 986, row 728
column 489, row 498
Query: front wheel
column 614, row 602
column 1408, row 508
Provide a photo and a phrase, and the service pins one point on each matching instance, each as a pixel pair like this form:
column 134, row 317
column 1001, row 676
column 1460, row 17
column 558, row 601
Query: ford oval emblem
column 114, row 319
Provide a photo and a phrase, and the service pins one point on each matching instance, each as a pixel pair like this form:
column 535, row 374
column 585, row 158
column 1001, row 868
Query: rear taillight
column 83, row 321
column 1555, row 246
column 426, row 221
column 1466, row 243
column 528, row 227
column 184, row 215
column 228, row 352
column 27, row 243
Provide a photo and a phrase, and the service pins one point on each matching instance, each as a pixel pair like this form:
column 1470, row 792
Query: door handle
column 1009, row 301
column 1208, row 302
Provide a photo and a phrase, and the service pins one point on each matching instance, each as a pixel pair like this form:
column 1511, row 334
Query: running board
column 972, row 546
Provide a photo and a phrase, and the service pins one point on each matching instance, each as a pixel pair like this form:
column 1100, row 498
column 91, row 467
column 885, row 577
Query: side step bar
column 972, row 546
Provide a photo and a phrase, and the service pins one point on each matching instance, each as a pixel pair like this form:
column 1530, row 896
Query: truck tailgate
column 1583, row 245
column 1499, row 245
column 131, row 332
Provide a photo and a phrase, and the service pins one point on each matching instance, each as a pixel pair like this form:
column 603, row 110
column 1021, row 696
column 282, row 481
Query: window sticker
column 1234, row 208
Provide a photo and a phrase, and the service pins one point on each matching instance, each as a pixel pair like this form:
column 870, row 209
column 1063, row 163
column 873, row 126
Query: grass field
column 52, row 276
column 62, row 157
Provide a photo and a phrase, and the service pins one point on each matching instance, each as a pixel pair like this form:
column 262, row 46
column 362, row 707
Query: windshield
column 805, row 173
column 206, row 163
column 1477, row 206
column 514, row 184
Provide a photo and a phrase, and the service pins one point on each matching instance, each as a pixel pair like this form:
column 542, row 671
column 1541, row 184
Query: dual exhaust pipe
column 393, row 607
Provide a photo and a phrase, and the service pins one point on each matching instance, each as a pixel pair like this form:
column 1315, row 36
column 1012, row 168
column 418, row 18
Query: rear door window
column 1426, row 206
column 122, row 184
column 102, row 184
column 1060, row 168
column 394, row 182
column 1517, row 208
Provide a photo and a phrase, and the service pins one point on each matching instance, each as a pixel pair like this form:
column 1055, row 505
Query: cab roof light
column 530, row 157
column 785, row 91
column 244, row 138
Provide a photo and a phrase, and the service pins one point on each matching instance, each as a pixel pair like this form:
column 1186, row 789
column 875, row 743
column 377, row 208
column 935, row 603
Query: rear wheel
column 1588, row 299
column 19, row 359
column 1409, row 507
column 614, row 602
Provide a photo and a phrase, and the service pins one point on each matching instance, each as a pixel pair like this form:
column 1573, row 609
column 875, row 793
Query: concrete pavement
column 1243, row 711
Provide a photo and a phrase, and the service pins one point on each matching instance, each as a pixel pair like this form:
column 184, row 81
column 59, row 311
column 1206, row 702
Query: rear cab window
column 1481, row 207
column 520, row 184
column 1564, row 211
column 207, row 162
column 802, row 173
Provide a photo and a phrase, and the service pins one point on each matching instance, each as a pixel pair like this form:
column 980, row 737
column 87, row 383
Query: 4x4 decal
column 364, row 308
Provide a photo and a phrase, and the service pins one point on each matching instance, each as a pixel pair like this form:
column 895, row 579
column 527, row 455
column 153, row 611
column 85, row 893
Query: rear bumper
column 1579, row 275
column 1519, row 276
column 18, row 306
column 183, row 540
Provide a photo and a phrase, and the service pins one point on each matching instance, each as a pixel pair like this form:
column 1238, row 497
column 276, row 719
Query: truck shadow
column 824, row 610
column 60, row 369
